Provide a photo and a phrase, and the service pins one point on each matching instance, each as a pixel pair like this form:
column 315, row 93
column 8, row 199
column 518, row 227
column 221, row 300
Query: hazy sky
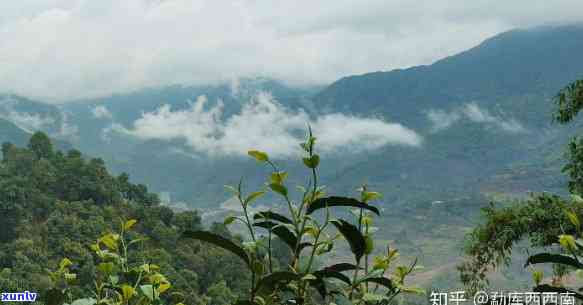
column 62, row 49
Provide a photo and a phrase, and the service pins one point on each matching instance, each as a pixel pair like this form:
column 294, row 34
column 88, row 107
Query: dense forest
column 54, row 205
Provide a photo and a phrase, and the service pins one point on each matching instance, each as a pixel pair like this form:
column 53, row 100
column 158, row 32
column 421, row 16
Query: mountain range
column 465, row 130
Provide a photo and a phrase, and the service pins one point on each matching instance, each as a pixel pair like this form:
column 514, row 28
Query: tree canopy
column 54, row 205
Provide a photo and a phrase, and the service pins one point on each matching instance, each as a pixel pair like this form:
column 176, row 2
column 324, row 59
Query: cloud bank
column 441, row 119
column 101, row 112
column 264, row 124
column 57, row 50
column 66, row 130
column 29, row 122
column 60, row 128
column 57, row 124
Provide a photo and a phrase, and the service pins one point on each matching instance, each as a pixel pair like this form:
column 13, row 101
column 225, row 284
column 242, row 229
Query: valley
column 467, row 130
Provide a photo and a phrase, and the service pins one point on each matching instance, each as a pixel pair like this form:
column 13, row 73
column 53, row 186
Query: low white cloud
column 60, row 127
column 67, row 130
column 479, row 115
column 339, row 131
column 441, row 119
column 101, row 112
column 235, row 86
column 114, row 127
column 29, row 122
column 264, row 124
column 57, row 124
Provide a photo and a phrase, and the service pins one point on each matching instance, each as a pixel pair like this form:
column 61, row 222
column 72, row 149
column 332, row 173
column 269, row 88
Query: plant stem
column 252, row 286
column 360, row 220
column 249, row 227
column 311, row 260
column 358, row 261
column 354, row 279
column 269, row 251
column 366, row 258
column 300, row 230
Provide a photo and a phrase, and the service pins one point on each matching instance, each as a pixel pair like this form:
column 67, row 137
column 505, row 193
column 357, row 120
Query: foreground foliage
column 117, row 281
column 309, row 237
column 548, row 221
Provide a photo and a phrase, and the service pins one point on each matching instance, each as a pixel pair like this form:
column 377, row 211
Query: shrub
column 308, row 237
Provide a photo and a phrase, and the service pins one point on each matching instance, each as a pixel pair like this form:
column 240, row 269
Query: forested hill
column 11, row 132
column 503, row 70
column 480, row 113
column 55, row 204
column 484, row 114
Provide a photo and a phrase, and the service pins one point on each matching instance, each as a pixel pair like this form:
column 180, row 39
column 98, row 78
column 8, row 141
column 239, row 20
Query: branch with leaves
column 569, row 259
column 309, row 237
column 117, row 281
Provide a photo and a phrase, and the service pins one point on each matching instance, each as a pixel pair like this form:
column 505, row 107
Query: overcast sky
column 62, row 49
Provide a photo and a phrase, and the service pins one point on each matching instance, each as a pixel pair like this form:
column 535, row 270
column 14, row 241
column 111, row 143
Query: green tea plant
column 569, row 260
column 117, row 281
column 309, row 237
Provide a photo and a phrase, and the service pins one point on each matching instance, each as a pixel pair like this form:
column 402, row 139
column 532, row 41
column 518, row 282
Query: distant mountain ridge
column 11, row 133
column 510, row 77
column 129, row 106
column 517, row 63
column 484, row 116
column 20, row 117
